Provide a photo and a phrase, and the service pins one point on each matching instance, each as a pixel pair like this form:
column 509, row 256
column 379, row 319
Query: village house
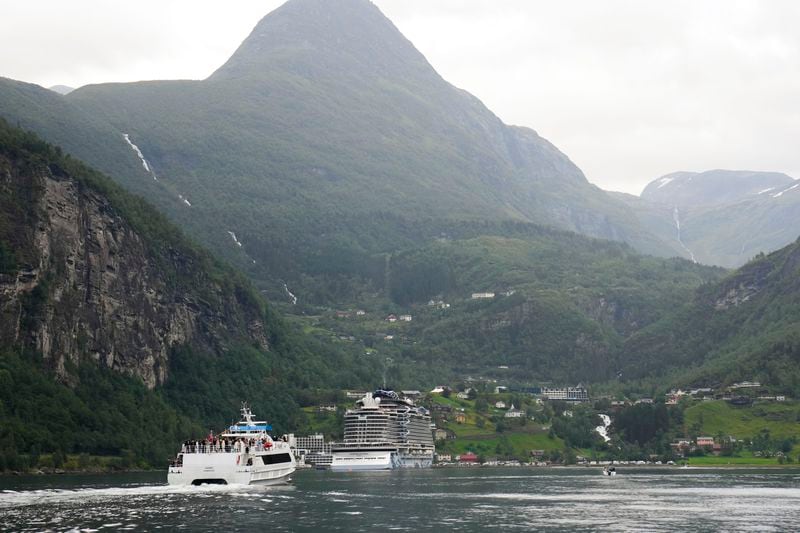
column 500, row 404
column 342, row 314
column 680, row 447
column 482, row 295
column 468, row 457
column 405, row 318
column 513, row 412
column 444, row 458
column 461, row 418
column 443, row 434
column 746, row 385
column 705, row 441
column 391, row 318
column 411, row 394
column 500, row 389
column 464, row 395
column 326, row 408
column 568, row 394
column 673, row 397
column 361, row 312
column 438, row 389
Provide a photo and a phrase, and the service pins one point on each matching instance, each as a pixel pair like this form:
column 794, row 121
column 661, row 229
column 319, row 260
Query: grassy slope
column 782, row 420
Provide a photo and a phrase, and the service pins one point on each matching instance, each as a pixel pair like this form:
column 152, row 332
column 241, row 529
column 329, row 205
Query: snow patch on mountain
column 664, row 181
column 781, row 193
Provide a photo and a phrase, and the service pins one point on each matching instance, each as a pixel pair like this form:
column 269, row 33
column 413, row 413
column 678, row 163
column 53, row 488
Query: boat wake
column 12, row 498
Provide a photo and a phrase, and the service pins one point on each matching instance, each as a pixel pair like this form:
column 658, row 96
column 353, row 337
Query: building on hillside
column 643, row 400
column 360, row 312
column 500, row 404
column 461, row 418
column 468, row 457
column 438, row 389
column 746, row 385
column 482, row 295
column 342, row 314
column 354, row 394
column 444, row 458
column 391, row 318
column 326, row 408
column 405, row 318
column 567, row 394
column 705, row 441
column 513, row 412
column 312, row 449
column 500, row 389
column 411, row 394
column 443, row 434
column 673, row 397
column 780, row 398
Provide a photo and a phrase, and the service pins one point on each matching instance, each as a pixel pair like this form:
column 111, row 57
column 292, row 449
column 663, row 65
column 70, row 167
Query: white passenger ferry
column 384, row 432
column 244, row 454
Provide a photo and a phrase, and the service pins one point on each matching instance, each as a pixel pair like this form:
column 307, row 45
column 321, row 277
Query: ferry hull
column 227, row 469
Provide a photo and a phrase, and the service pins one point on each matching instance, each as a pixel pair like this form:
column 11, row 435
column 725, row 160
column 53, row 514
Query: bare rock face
column 94, row 288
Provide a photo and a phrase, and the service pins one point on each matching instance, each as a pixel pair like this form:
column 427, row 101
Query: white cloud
column 630, row 90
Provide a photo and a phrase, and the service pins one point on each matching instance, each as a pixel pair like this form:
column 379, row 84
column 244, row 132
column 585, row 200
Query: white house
column 500, row 404
column 404, row 318
column 482, row 295
column 513, row 412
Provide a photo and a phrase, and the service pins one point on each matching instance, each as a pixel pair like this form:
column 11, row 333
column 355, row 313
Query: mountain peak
column 308, row 37
column 712, row 187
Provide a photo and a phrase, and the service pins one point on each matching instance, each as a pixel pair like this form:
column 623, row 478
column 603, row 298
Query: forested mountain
column 563, row 304
column 120, row 333
column 744, row 327
column 326, row 139
column 721, row 217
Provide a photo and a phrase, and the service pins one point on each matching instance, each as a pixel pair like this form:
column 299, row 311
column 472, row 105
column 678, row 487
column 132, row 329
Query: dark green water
column 469, row 499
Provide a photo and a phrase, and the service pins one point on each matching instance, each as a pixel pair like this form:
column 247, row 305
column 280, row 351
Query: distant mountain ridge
column 721, row 217
column 713, row 187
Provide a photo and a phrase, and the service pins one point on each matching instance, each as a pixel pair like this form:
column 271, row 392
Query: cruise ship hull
column 353, row 461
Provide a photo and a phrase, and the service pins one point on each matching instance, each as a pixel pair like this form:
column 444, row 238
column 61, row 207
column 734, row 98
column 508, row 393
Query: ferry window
column 276, row 458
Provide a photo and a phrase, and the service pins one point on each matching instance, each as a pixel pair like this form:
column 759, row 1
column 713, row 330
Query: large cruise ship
column 384, row 432
column 244, row 454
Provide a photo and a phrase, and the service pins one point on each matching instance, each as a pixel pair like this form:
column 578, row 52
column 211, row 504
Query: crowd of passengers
column 220, row 445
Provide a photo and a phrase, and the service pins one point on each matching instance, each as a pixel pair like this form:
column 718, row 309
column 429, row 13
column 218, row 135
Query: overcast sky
column 630, row 90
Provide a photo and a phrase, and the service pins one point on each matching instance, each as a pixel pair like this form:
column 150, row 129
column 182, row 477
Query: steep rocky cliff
column 79, row 279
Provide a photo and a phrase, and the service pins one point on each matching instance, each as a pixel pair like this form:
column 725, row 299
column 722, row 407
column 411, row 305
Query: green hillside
column 744, row 327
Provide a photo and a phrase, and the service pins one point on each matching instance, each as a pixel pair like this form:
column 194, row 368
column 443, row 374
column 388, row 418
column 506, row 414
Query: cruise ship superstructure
column 384, row 432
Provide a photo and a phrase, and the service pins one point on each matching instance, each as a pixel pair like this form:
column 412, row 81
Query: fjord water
column 463, row 499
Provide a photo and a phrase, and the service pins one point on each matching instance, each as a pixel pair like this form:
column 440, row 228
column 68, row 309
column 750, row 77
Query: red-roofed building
column 468, row 457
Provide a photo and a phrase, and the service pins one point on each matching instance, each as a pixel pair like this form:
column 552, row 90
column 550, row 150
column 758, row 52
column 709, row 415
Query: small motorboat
column 609, row 471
